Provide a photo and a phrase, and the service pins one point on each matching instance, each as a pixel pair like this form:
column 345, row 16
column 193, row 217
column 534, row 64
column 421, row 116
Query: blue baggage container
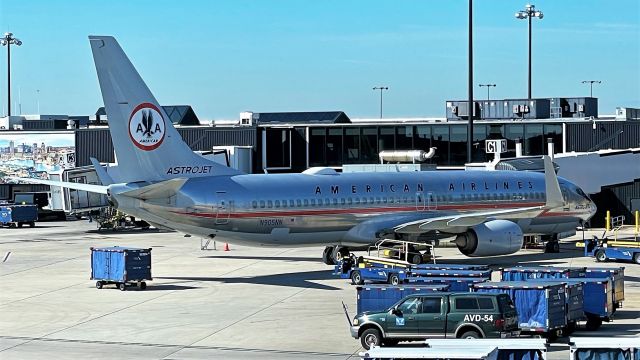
column 456, row 284
column 381, row 297
column 540, row 305
column 522, row 273
column 617, row 281
column 450, row 267
column 450, row 273
column 121, row 266
column 574, row 298
column 598, row 297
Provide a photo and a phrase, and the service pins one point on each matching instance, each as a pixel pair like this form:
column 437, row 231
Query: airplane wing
column 465, row 220
column 70, row 185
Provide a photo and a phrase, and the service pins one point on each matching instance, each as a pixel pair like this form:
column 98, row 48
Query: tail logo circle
column 146, row 127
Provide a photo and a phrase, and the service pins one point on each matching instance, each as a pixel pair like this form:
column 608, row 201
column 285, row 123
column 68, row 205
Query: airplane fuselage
column 351, row 208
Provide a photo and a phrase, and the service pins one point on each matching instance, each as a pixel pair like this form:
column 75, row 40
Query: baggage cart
column 521, row 273
column 598, row 300
column 122, row 266
column 19, row 215
column 595, row 348
column 540, row 305
column 456, row 284
column 381, row 297
column 617, row 280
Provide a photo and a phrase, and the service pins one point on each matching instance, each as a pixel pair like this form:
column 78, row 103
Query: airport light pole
column 591, row 82
column 381, row 88
column 528, row 13
column 7, row 41
column 470, row 104
column 488, row 86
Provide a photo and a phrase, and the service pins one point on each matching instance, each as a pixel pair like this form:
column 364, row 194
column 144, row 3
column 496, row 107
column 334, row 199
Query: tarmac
column 244, row 303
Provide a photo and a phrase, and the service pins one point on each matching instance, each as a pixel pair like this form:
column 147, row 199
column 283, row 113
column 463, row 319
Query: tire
column 356, row 278
column 370, row 338
column 636, row 258
column 601, row 256
column 552, row 336
column 471, row 334
column 143, row 285
column 593, row 323
column 571, row 328
column 416, row 259
column 20, row 225
column 122, row 286
column 99, row 284
column 32, row 224
column 394, row 279
column 326, row 255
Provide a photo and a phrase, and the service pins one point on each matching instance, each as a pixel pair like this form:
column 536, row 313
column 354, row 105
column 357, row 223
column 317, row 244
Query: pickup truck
column 438, row 315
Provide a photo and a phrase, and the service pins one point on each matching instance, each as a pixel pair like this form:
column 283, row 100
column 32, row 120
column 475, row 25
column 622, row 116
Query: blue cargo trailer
column 456, row 284
column 122, row 266
column 617, row 281
column 574, row 301
column 540, row 305
column 450, row 273
column 18, row 215
column 598, row 300
column 522, row 273
column 381, row 297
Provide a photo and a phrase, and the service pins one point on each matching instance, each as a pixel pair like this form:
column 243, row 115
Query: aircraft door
column 223, row 208
column 431, row 201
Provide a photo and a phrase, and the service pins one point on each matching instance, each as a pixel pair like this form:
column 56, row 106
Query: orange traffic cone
column 226, row 247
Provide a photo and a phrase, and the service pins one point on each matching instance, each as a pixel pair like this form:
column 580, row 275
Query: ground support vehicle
column 617, row 280
column 604, row 250
column 456, row 284
column 377, row 270
column 521, row 273
column 598, row 300
column 380, row 297
column 604, row 348
column 540, row 305
column 438, row 315
column 122, row 266
column 18, row 215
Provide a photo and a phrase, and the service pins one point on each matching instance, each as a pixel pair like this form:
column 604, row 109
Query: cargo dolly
column 122, row 266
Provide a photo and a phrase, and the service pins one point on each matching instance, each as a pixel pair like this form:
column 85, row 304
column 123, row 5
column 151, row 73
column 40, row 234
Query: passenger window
column 327, row 201
column 269, row 204
column 277, row 203
column 431, row 305
column 410, row 306
column 466, row 304
column 356, row 200
column 306, row 202
column 342, row 201
column 262, row 204
column 254, row 204
column 485, row 303
column 349, row 201
column 292, row 203
column 385, row 200
column 372, row 201
column 298, row 202
column 335, row 201
column 313, row 202
column 284, row 203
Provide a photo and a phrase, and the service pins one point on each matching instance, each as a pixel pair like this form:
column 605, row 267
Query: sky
column 227, row 56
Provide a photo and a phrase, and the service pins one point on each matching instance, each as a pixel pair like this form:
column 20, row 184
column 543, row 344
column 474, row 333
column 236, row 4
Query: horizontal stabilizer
column 105, row 179
column 69, row 185
column 163, row 189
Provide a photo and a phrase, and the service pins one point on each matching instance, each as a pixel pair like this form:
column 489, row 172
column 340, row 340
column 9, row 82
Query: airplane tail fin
column 147, row 146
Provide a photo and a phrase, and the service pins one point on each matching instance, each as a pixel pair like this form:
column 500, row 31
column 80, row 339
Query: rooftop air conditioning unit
column 581, row 107
column 454, row 109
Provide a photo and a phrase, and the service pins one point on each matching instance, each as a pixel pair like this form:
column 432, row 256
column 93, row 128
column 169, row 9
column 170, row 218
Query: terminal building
column 296, row 141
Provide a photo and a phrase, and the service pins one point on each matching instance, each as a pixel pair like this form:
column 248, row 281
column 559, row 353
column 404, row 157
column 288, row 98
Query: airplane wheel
column 339, row 253
column 327, row 257
column 636, row 258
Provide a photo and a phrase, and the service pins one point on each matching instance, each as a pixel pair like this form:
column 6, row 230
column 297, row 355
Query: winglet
column 552, row 187
column 105, row 179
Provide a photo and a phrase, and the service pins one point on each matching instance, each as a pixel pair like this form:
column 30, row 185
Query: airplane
column 158, row 178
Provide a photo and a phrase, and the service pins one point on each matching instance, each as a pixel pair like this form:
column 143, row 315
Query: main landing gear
column 332, row 254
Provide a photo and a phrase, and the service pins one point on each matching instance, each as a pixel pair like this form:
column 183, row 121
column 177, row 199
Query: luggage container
column 540, row 305
column 450, row 273
column 122, row 266
column 598, row 300
column 574, row 302
column 381, row 297
column 617, row 280
column 521, row 273
column 509, row 348
column 604, row 348
column 18, row 215
column 456, row 284
column 489, row 352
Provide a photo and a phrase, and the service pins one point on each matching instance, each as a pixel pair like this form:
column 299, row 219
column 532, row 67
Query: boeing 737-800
column 161, row 180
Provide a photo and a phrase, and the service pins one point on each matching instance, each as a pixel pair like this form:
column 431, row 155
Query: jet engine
column 496, row 237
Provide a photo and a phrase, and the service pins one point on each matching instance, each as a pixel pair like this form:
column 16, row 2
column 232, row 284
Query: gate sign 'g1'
column 496, row 146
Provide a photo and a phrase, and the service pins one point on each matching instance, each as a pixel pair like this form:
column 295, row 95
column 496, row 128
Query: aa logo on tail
column 146, row 126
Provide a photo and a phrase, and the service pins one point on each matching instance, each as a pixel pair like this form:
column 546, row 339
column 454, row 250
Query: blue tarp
column 450, row 267
column 522, row 273
column 511, row 354
column 603, row 354
column 452, row 273
column 456, row 284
